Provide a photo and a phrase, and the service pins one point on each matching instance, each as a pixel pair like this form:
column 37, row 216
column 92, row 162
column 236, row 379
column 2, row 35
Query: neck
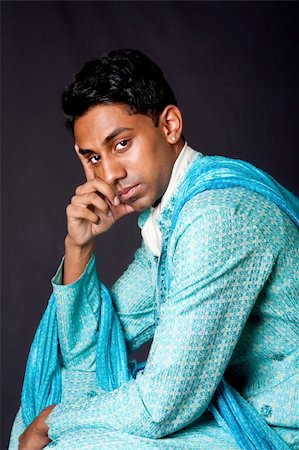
column 178, row 147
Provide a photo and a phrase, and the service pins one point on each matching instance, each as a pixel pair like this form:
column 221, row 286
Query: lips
column 127, row 193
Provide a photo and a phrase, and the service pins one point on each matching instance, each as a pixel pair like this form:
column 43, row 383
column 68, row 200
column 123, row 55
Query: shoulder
column 237, row 209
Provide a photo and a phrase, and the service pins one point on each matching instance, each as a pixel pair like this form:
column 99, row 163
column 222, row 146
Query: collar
column 148, row 220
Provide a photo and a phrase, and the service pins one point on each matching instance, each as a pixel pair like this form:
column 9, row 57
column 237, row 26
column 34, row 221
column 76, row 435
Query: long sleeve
column 78, row 309
column 134, row 299
column 218, row 265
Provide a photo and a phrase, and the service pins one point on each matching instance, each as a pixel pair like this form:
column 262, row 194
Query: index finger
column 89, row 173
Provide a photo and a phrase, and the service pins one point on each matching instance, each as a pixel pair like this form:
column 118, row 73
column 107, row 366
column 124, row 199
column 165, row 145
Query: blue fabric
column 239, row 418
column 230, row 410
column 42, row 383
column 112, row 367
column 217, row 172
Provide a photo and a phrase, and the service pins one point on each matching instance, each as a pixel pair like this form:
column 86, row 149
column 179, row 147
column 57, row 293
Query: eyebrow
column 107, row 139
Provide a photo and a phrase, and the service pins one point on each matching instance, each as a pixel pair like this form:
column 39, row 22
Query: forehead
column 102, row 120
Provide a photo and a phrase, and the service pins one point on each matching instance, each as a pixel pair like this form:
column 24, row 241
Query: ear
column 171, row 123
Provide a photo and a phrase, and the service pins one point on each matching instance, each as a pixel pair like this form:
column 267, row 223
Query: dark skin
column 35, row 437
column 127, row 162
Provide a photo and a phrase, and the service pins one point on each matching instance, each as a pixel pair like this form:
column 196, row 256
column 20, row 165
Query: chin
column 141, row 204
column 140, row 208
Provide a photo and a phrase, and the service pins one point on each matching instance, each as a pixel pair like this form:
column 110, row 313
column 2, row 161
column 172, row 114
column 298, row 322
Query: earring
column 173, row 138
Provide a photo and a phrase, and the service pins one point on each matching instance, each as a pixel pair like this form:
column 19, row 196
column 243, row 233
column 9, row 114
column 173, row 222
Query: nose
column 112, row 170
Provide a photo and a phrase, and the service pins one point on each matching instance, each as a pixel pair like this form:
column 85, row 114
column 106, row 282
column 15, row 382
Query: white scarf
column 150, row 231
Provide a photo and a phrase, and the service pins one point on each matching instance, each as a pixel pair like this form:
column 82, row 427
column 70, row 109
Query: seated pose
column 214, row 283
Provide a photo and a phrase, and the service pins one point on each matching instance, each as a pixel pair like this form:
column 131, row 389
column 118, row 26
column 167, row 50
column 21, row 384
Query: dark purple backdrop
column 234, row 68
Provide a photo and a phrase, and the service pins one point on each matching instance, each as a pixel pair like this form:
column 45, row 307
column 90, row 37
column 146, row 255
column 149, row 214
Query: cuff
column 87, row 282
column 66, row 415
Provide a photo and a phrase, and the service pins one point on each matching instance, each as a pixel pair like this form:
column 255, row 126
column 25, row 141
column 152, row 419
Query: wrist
column 41, row 426
column 78, row 251
column 75, row 259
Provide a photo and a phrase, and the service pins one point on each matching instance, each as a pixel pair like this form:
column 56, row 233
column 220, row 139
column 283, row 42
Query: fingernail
column 116, row 201
column 109, row 213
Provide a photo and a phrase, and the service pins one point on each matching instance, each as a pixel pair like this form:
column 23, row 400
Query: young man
column 215, row 283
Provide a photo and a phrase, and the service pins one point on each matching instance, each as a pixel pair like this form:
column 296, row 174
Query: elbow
column 160, row 426
column 153, row 432
column 165, row 422
column 160, row 432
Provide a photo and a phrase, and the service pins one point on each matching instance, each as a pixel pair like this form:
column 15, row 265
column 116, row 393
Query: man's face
column 128, row 152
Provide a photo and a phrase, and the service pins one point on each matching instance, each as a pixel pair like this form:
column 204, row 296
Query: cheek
column 141, row 167
column 149, row 163
column 98, row 172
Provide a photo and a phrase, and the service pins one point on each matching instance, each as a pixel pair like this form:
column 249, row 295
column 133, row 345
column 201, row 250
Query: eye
column 95, row 159
column 122, row 144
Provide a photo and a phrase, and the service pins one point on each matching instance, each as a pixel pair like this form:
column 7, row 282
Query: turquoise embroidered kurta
column 233, row 262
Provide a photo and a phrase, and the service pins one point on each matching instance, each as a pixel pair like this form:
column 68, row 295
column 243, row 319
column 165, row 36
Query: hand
column 93, row 209
column 35, row 437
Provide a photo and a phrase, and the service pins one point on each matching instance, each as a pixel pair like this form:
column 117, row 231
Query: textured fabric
column 42, row 381
column 198, row 326
column 229, row 408
column 238, row 417
column 231, row 411
column 197, row 323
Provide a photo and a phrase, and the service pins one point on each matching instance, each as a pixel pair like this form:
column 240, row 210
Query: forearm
column 75, row 260
column 78, row 309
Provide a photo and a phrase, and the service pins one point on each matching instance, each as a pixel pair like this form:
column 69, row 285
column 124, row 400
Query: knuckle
column 78, row 190
column 94, row 197
column 74, row 200
column 106, row 208
column 68, row 209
